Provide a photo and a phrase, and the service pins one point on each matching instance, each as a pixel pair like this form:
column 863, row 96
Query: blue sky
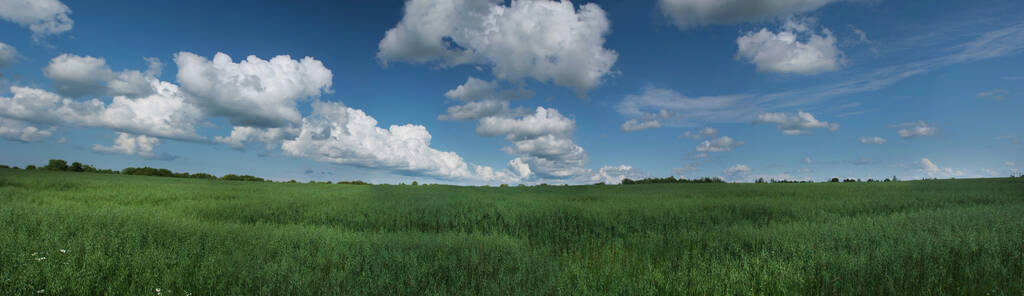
column 488, row 92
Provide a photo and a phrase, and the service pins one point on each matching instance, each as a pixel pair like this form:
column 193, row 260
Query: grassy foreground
column 130, row 235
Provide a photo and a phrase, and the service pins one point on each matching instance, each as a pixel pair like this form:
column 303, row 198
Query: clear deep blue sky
column 941, row 82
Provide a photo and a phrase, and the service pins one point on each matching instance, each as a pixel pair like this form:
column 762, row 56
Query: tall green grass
column 130, row 235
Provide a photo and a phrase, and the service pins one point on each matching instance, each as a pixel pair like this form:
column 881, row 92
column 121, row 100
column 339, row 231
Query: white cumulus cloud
column 482, row 99
column 615, row 174
column 721, row 144
column 252, row 92
column 77, row 76
column 17, row 130
column 541, row 140
column 543, row 121
column 166, row 113
column 796, row 124
column 241, row 135
column 338, row 134
column 736, row 170
column 130, row 145
column 8, row 55
column 543, row 40
column 915, row 129
column 473, row 89
column 42, row 17
column 796, row 48
column 930, row 169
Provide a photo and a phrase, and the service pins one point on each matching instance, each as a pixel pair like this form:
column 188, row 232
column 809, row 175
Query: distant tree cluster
column 671, row 179
column 233, row 177
column 62, row 165
column 848, row 180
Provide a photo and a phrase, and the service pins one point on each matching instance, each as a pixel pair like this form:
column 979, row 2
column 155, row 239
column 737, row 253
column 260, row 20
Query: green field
column 130, row 235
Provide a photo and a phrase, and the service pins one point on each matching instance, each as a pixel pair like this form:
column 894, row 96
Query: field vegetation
column 74, row 233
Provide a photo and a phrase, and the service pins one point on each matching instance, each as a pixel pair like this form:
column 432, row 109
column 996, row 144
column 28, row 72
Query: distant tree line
column 848, row 180
column 62, row 165
column 671, row 179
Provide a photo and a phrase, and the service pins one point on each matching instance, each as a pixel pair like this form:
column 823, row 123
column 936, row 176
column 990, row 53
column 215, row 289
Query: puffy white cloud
column 872, row 140
column 636, row 125
column 8, row 55
column 521, row 168
column 483, row 99
column 43, row 17
column 915, row 129
column 166, row 113
column 541, row 141
column 77, row 76
column 473, row 89
column 706, row 132
column 252, row 92
column 691, row 13
column 720, row 144
column 17, row 130
column 543, row 121
column 543, row 40
column 736, row 170
column 242, row 135
column 130, row 145
column 339, row 134
column 784, row 52
column 558, row 168
column 792, row 125
column 547, row 146
column 932, row 170
column 615, row 174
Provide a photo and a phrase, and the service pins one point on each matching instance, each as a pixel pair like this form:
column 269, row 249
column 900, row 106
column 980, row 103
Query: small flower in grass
column 41, row 291
column 40, row 258
column 63, row 251
column 157, row 290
